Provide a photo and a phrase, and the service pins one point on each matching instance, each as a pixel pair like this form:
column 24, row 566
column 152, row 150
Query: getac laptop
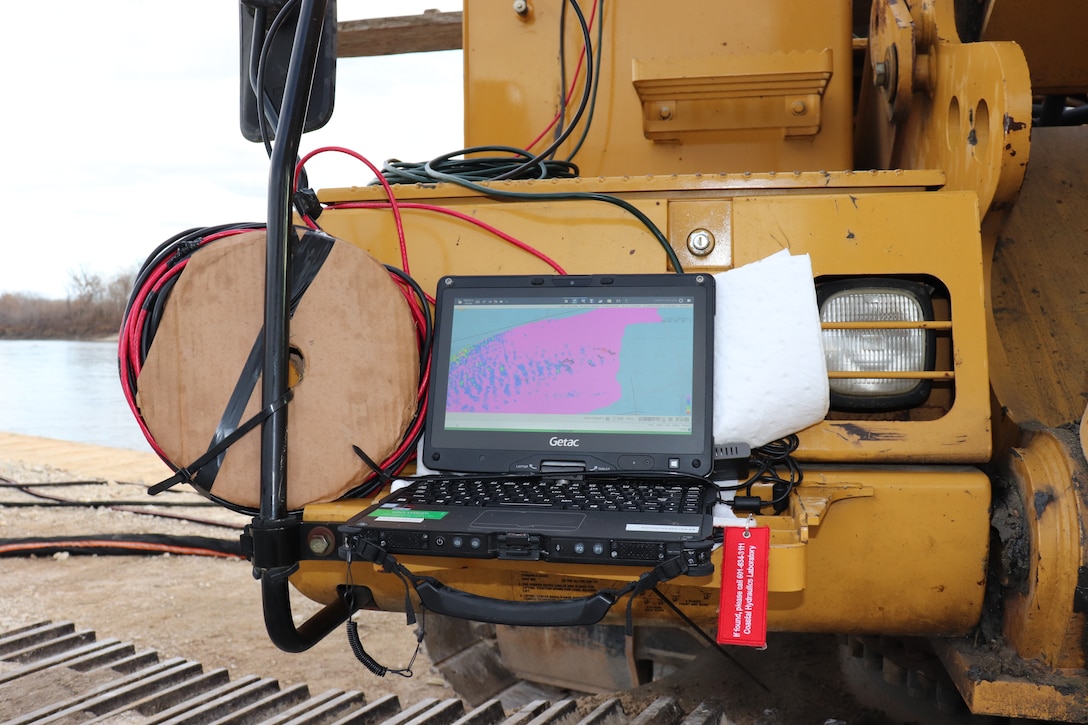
column 571, row 418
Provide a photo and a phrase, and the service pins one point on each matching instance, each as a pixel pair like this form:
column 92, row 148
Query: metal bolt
column 665, row 112
column 700, row 242
column 880, row 75
column 319, row 543
column 521, row 7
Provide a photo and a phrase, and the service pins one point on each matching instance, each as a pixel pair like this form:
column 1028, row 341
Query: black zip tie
column 186, row 474
column 185, row 249
column 383, row 477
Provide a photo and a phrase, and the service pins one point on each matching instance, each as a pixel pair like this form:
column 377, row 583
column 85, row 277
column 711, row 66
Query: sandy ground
column 201, row 608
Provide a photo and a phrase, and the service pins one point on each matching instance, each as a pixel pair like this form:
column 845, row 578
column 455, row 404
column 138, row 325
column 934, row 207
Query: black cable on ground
column 8, row 483
column 140, row 508
column 50, row 502
column 47, row 502
column 122, row 544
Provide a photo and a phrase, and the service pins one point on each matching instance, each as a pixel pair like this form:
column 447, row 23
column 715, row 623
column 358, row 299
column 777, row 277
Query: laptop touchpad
column 528, row 520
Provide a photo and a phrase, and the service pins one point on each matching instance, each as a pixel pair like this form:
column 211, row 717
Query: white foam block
column 770, row 375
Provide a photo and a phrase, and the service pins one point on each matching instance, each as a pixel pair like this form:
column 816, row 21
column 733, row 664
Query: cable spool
column 354, row 370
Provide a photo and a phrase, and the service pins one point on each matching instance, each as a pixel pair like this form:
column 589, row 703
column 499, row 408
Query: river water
column 67, row 390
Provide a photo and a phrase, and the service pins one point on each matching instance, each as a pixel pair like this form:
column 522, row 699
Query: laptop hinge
column 562, row 467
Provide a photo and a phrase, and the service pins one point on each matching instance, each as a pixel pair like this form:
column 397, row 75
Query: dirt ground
column 201, row 608
column 209, row 610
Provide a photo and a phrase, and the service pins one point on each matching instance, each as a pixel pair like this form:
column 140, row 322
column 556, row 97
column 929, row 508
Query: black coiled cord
column 372, row 664
column 520, row 164
column 356, row 643
column 774, row 465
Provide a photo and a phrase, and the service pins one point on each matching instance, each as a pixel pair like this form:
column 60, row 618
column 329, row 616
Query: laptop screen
column 598, row 373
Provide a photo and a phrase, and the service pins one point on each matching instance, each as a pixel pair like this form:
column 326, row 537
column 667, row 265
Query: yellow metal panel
column 923, row 534
column 512, row 82
column 789, row 572
column 706, row 219
column 682, row 97
column 1052, row 36
column 582, row 237
column 891, row 234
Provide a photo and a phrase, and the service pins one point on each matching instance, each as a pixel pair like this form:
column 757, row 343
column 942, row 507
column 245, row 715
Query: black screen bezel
column 527, row 452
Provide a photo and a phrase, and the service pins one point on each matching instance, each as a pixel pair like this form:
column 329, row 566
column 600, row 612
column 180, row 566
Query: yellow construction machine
column 927, row 153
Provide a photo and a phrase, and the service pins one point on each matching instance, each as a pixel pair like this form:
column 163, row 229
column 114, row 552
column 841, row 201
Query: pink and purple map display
column 622, row 361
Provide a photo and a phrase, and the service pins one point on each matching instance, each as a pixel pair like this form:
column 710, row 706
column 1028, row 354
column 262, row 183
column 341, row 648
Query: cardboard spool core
column 354, row 369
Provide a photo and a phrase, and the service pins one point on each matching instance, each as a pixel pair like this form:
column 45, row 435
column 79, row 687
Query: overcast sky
column 121, row 128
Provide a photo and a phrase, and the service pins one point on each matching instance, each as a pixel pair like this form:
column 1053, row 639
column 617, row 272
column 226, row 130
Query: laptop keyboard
column 681, row 497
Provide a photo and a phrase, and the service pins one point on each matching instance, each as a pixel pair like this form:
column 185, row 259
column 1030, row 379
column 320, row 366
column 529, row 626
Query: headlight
column 891, row 345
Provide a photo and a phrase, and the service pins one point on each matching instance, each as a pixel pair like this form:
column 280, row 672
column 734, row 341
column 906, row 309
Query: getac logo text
column 563, row 442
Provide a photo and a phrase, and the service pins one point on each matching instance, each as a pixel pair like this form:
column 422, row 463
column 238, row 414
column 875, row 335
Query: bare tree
column 117, row 293
column 85, row 287
column 94, row 308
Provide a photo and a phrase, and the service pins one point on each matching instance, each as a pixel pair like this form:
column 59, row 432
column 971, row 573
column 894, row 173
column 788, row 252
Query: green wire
column 565, row 195
column 471, row 171
column 595, row 80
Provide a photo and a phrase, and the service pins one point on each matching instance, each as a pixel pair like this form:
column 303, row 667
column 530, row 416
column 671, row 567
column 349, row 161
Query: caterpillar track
column 53, row 672
column 835, row 680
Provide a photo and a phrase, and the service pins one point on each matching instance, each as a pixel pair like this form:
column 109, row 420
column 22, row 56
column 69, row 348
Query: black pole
column 275, row 533
column 292, row 120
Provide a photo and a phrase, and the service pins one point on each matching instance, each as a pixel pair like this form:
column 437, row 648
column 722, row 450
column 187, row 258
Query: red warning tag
column 742, row 618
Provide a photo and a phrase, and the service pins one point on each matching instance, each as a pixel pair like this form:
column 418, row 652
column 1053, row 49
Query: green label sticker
column 400, row 513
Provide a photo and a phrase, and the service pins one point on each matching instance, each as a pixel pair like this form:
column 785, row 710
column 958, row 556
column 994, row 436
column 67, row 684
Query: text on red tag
column 742, row 617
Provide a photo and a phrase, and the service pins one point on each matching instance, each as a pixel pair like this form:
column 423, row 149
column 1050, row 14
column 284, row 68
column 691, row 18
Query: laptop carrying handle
column 442, row 599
